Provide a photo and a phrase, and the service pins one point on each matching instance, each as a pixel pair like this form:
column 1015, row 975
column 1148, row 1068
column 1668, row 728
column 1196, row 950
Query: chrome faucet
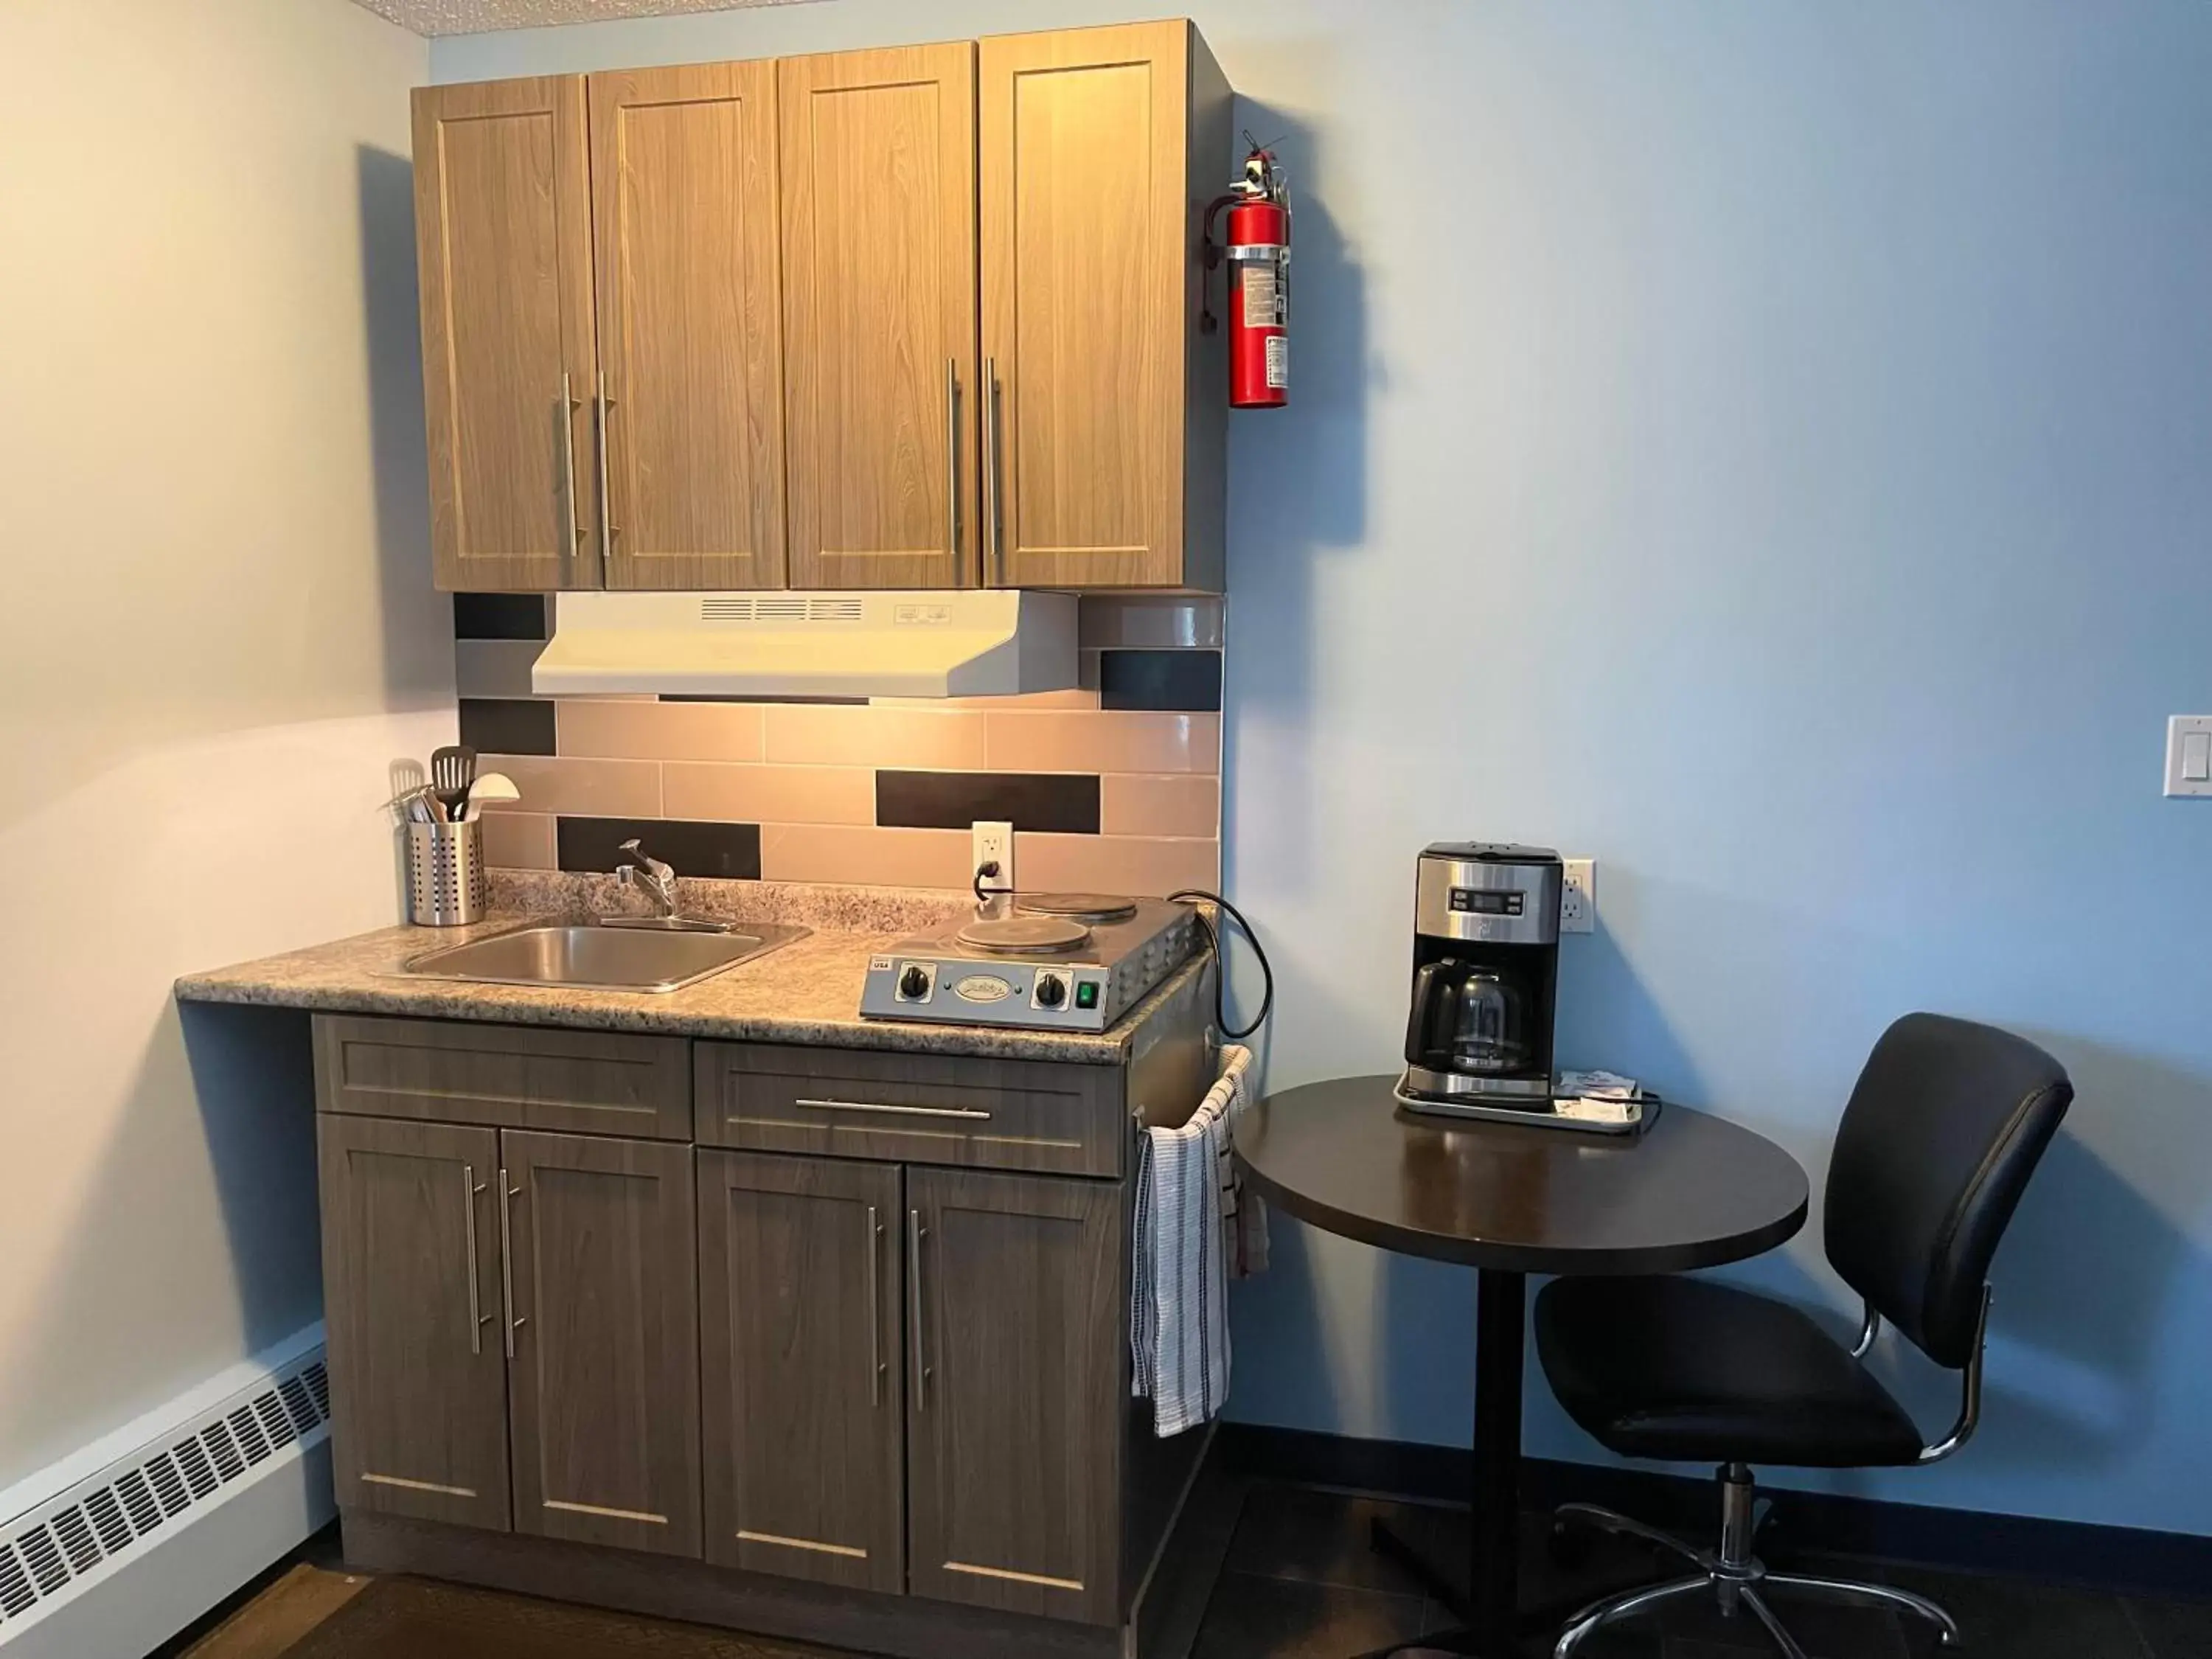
column 658, row 880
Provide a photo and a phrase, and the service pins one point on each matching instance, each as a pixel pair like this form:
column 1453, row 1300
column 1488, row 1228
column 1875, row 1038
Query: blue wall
column 1767, row 447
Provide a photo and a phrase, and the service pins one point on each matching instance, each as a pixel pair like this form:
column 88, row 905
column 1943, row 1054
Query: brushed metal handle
column 606, row 502
column 875, row 1309
column 469, row 1191
column 569, row 459
column 896, row 1111
column 507, row 1259
column 953, row 453
column 994, row 527
column 916, row 1233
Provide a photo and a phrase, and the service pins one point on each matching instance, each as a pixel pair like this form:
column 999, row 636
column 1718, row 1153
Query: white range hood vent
column 921, row 644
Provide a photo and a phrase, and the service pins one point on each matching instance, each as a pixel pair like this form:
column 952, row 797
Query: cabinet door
column 410, row 1277
column 799, row 1279
column 880, row 310
column 604, row 1388
column 502, row 214
column 1016, row 1391
column 1085, row 241
column 684, row 171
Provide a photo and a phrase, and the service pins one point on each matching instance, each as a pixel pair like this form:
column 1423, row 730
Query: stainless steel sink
column 595, row 958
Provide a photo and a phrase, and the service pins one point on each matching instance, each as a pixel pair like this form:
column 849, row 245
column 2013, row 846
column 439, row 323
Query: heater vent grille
column 98, row 1521
column 780, row 608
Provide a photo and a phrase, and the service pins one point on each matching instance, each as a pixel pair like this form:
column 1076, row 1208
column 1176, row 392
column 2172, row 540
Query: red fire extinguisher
column 1258, row 252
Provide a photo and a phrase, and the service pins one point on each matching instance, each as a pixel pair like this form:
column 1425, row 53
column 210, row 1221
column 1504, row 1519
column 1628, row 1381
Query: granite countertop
column 805, row 992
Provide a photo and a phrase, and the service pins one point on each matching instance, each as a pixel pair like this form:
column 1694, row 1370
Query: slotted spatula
column 452, row 771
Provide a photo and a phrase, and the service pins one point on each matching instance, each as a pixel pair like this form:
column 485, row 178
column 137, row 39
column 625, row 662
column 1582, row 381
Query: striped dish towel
column 1189, row 1230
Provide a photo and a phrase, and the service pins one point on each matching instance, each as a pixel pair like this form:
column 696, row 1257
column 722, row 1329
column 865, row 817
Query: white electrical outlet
column 992, row 843
column 1578, row 897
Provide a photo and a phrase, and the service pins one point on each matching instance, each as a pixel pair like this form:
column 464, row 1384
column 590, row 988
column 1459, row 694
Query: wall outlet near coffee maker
column 1579, row 895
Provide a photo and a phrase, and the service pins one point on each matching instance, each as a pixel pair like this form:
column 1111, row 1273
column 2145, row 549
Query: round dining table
column 1691, row 1190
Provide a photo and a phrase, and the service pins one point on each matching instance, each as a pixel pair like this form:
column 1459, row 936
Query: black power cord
column 1221, row 962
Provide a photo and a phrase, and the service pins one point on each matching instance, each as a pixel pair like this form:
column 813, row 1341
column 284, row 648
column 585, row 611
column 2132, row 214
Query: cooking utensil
column 452, row 770
column 491, row 786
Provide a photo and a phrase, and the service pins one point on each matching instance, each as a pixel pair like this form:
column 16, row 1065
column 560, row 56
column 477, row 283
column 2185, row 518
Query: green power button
column 1086, row 994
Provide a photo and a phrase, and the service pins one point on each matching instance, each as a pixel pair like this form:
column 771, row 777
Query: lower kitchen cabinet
column 604, row 1386
column 800, row 1271
column 411, row 1265
column 1018, row 1330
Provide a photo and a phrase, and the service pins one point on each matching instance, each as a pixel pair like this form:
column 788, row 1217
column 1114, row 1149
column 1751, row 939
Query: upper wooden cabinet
column 502, row 214
column 920, row 317
column 880, row 316
column 1099, row 149
column 683, row 171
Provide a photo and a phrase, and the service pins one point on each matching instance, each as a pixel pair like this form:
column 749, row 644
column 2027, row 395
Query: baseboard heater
column 116, row 1560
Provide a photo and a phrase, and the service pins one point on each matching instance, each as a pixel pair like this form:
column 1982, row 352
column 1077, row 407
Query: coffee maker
column 1485, row 979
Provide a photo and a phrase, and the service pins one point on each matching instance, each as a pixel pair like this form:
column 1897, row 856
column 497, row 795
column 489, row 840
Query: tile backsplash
column 1115, row 787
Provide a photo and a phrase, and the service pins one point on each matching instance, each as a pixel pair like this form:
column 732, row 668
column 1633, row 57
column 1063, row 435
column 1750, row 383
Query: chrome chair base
column 1735, row 1577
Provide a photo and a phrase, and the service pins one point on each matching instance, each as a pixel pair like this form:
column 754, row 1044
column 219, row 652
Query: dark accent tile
column 1253, row 1618
column 726, row 852
column 1160, row 679
column 2173, row 1630
column 506, row 725
column 702, row 696
column 499, row 615
column 2019, row 1617
column 1065, row 802
column 1316, row 1537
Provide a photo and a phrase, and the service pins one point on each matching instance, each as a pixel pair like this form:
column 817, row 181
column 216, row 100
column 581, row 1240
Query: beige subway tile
column 660, row 731
column 768, row 795
column 595, row 788
column 1174, row 804
column 1143, row 867
column 1110, row 741
column 845, row 735
column 1077, row 698
column 869, row 857
column 519, row 840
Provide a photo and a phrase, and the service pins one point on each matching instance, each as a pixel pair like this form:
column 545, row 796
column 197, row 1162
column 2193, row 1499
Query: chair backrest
column 1947, row 1123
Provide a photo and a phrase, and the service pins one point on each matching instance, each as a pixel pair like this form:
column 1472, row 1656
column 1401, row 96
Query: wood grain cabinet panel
column 502, row 208
column 915, row 1108
column 1017, row 1392
column 800, row 1276
column 879, row 315
column 684, row 167
column 517, row 1076
column 410, row 1274
column 1098, row 149
column 604, row 1387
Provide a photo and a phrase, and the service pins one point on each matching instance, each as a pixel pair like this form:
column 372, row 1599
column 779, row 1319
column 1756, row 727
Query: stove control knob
column 914, row 984
column 1051, row 991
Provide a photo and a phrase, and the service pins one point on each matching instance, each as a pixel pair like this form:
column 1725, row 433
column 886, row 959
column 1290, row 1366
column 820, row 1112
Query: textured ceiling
column 475, row 16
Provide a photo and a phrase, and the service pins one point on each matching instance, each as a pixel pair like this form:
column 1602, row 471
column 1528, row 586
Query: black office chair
column 1947, row 1123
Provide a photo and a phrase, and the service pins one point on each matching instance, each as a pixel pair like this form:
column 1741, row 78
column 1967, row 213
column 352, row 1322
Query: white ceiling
column 475, row 16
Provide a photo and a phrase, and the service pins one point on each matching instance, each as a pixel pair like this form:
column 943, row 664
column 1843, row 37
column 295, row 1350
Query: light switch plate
column 2189, row 754
column 1578, row 896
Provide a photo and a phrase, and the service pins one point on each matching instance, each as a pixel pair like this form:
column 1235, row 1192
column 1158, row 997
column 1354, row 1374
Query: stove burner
column 1024, row 935
column 1080, row 907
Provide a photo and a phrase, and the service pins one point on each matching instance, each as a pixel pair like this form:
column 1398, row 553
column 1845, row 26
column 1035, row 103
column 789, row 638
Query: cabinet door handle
column 916, row 1233
column 507, row 1259
column 952, row 455
column 993, row 529
column 606, row 504
column 568, row 462
column 476, row 1315
column 971, row 1112
column 875, row 1309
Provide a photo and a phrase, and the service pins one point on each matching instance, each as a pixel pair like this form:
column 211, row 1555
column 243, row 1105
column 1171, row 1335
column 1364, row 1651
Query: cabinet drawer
column 519, row 1077
column 913, row 1108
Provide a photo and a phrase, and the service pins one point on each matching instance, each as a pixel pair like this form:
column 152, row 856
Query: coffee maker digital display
column 1486, row 976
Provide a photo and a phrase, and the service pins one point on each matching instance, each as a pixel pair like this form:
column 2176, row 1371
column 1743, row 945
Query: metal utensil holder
column 445, row 874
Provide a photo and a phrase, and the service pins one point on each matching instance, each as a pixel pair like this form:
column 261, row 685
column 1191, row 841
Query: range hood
column 918, row 644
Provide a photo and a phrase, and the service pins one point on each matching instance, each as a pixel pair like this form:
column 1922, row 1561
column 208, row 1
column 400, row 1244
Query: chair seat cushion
column 1679, row 1368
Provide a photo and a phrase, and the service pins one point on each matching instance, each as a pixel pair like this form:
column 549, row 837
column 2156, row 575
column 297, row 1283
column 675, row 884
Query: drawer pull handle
column 971, row 1112
column 916, row 1233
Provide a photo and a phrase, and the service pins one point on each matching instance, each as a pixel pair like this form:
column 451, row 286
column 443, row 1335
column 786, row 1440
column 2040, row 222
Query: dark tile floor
column 1301, row 1583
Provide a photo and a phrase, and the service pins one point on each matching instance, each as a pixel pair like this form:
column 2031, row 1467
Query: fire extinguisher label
column 1261, row 309
column 1278, row 362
